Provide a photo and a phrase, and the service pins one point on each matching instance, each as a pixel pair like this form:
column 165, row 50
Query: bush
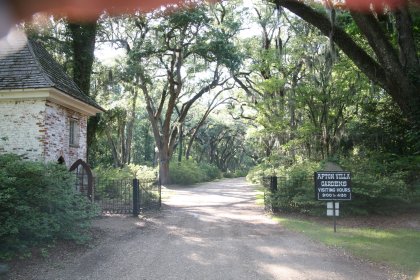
column 131, row 171
column 142, row 172
column 256, row 173
column 211, row 172
column 189, row 172
column 186, row 172
column 236, row 173
column 113, row 183
column 381, row 184
column 384, row 183
column 296, row 189
column 38, row 204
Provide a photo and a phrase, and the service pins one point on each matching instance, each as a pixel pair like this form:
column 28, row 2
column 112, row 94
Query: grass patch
column 260, row 195
column 399, row 248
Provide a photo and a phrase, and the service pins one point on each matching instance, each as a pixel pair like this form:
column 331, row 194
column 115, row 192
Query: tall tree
column 302, row 88
column 175, row 57
column 270, row 76
column 393, row 65
column 215, row 102
column 187, row 43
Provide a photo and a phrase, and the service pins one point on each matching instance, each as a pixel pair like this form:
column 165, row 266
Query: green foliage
column 131, row 171
column 321, row 107
column 107, row 173
column 107, row 187
column 236, row 173
column 189, row 172
column 223, row 144
column 381, row 184
column 38, row 204
column 295, row 189
column 142, row 172
column 382, row 128
column 384, row 183
column 211, row 171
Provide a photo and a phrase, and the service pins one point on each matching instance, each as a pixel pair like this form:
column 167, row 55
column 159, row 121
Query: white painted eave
column 49, row 94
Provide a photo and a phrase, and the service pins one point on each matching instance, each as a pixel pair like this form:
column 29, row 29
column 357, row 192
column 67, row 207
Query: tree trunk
column 114, row 151
column 83, row 45
column 164, row 167
column 181, row 136
column 189, row 146
column 148, row 148
column 130, row 127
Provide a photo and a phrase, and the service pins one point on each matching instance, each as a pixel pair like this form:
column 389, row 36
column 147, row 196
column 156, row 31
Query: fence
column 128, row 196
column 279, row 192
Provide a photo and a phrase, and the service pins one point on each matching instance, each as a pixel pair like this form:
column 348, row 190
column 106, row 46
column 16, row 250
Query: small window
column 74, row 133
column 61, row 160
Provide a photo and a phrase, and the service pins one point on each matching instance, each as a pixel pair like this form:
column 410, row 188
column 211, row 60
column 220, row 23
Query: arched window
column 61, row 160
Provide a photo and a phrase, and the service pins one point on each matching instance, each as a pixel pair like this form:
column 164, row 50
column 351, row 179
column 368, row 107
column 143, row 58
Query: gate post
column 136, row 191
column 273, row 184
column 160, row 193
column 273, row 190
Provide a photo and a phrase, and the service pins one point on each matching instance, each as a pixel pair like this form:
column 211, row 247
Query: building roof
column 32, row 67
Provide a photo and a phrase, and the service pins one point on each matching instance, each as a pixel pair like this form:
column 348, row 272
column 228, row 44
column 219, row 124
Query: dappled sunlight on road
column 209, row 231
column 219, row 225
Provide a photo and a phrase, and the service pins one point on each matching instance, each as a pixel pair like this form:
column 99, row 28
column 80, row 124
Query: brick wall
column 57, row 123
column 22, row 128
column 39, row 131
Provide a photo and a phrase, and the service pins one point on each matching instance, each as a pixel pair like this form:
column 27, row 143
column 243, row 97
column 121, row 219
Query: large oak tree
column 392, row 65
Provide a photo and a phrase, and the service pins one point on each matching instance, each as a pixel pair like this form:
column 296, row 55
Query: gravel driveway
column 212, row 231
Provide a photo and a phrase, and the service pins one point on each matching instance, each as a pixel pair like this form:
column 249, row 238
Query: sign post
column 333, row 209
column 333, row 186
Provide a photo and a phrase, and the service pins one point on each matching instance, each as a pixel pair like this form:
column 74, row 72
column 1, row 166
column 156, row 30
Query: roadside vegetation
column 381, row 184
column 39, row 205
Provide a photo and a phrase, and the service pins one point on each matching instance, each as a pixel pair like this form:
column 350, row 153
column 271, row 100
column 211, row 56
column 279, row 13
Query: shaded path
column 213, row 231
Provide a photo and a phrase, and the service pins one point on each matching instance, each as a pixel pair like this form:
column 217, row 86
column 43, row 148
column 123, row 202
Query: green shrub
column 296, row 189
column 106, row 173
column 241, row 173
column 189, row 172
column 211, row 171
column 381, row 184
column 142, row 172
column 115, row 183
column 235, row 173
column 256, row 173
column 131, row 171
column 186, row 172
column 38, row 204
column 384, row 183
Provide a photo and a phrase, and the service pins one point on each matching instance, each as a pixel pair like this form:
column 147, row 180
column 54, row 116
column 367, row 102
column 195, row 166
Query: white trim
column 50, row 94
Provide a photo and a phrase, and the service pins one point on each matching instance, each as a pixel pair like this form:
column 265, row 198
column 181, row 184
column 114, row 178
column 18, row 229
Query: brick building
column 43, row 113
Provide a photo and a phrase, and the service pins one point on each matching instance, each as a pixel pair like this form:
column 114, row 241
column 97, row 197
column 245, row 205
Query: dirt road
column 213, row 231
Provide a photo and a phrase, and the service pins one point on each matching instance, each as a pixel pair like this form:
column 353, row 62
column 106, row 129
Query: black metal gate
column 128, row 196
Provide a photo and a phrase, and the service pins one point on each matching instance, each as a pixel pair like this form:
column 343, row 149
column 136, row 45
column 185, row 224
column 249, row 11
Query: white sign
column 330, row 212
column 330, row 205
column 330, row 209
column 332, row 185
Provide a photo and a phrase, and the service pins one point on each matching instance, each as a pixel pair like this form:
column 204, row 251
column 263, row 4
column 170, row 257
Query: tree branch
column 362, row 60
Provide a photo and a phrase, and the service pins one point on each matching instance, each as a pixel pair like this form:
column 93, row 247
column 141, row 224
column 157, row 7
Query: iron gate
column 128, row 196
